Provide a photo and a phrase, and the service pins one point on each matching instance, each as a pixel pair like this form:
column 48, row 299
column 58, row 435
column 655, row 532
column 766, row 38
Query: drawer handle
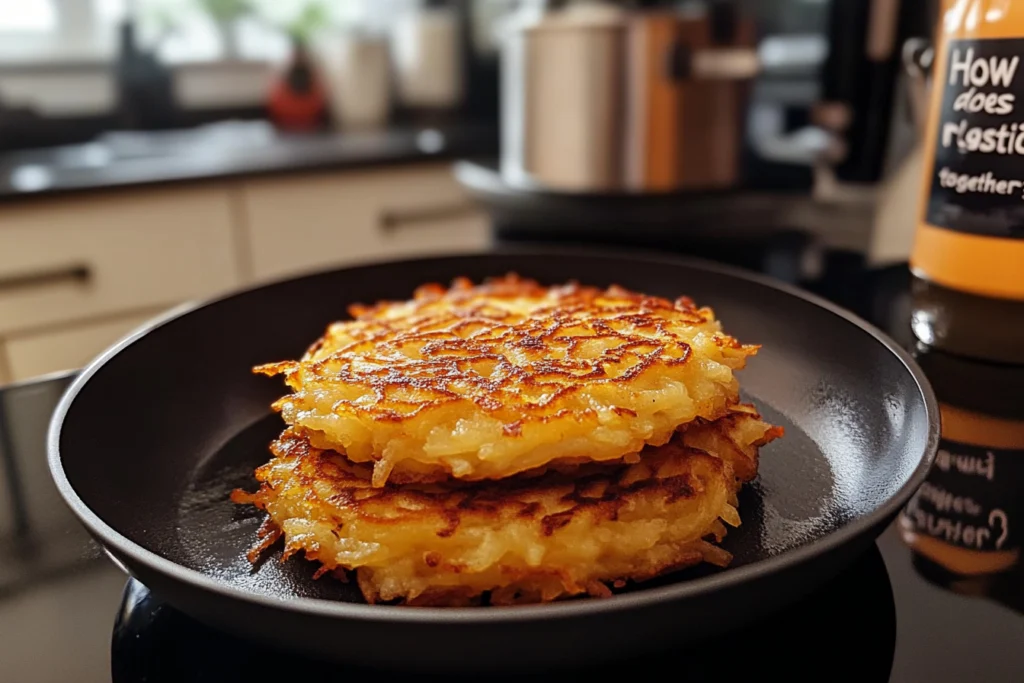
column 393, row 220
column 73, row 274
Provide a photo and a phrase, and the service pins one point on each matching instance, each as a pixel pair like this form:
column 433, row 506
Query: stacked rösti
column 510, row 443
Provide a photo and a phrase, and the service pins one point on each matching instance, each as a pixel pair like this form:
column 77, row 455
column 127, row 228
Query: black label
column 972, row 498
column 978, row 176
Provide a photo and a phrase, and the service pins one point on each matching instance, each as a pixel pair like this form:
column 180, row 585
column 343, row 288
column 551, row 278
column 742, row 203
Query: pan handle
column 72, row 273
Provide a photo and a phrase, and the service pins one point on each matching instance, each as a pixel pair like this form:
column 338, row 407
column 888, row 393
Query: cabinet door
column 433, row 228
column 76, row 259
column 5, row 370
column 316, row 221
column 67, row 348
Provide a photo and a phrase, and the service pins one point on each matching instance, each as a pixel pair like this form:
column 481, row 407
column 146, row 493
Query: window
column 76, row 31
column 56, row 31
column 55, row 54
column 27, row 16
column 68, row 31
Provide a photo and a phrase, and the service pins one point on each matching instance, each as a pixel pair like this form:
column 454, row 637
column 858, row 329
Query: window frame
column 78, row 36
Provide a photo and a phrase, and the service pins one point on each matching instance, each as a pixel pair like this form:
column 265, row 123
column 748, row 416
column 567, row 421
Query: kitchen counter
column 228, row 150
column 97, row 238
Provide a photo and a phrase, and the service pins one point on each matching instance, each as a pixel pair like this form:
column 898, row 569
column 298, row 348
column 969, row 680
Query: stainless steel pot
column 599, row 99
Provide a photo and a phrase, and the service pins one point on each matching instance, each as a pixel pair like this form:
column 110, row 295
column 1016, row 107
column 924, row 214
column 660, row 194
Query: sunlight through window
column 28, row 16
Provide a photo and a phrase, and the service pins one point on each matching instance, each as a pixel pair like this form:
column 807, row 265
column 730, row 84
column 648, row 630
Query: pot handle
column 678, row 62
column 682, row 63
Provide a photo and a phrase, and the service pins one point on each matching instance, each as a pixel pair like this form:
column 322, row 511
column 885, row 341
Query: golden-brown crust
column 508, row 350
column 455, row 341
column 508, row 442
column 602, row 489
column 729, row 438
column 327, row 507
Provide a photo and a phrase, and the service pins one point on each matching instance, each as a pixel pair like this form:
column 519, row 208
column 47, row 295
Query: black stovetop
column 67, row 613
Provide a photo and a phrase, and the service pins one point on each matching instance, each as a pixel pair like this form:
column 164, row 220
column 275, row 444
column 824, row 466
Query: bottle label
column 977, row 183
column 972, row 498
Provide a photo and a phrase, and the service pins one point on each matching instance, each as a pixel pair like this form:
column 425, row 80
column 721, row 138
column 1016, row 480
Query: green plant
column 226, row 10
column 310, row 19
column 300, row 19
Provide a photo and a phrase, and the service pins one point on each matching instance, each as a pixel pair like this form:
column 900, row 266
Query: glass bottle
column 968, row 255
column 964, row 524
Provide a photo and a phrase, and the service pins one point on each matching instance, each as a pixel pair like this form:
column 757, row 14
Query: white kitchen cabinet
column 67, row 348
column 77, row 273
column 80, row 258
column 315, row 221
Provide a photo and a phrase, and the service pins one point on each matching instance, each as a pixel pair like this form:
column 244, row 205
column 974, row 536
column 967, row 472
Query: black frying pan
column 152, row 436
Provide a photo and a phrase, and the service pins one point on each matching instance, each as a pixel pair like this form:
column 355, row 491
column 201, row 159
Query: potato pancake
column 521, row 540
column 487, row 381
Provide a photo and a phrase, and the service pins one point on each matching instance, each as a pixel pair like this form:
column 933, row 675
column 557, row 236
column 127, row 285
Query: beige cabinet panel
column 410, row 233
column 71, row 259
column 67, row 348
column 5, row 374
column 316, row 221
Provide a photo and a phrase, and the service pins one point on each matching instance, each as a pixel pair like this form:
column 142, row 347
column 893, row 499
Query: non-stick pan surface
column 147, row 443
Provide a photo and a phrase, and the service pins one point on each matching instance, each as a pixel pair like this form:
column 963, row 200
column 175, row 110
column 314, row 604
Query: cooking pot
column 599, row 99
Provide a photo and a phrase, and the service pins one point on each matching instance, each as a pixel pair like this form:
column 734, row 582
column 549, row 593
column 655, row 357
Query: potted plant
column 300, row 20
column 225, row 15
column 298, row 100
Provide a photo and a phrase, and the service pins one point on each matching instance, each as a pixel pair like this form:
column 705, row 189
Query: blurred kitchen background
column 154, row 152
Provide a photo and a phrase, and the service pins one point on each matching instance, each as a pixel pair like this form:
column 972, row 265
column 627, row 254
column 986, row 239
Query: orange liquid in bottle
column 968, row 254
column 986, row 38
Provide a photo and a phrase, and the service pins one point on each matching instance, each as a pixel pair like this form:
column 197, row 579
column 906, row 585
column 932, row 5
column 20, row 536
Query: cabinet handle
column 73, row 274
column 391, row 220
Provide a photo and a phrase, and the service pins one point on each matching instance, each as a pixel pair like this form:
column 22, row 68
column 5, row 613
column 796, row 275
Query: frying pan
column 149, row 440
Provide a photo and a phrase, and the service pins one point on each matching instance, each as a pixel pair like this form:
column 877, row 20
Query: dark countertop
column 229, row 150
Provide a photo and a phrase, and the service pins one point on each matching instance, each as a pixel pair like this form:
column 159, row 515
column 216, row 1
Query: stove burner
column 844, row 631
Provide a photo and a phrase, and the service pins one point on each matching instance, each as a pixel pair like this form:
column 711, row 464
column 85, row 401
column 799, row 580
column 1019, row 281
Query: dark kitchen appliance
column 861, row 83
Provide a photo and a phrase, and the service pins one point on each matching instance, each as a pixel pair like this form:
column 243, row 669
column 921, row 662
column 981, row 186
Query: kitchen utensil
column 149, row 440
